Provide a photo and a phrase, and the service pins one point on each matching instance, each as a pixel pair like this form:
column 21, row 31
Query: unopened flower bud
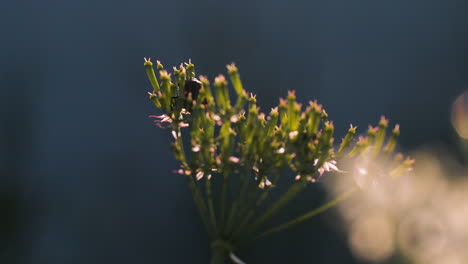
column 154, row 99
column 327, row 134
column 360, row 146
column 235, row 79
column 380, row 135
column 272, row 122
column 346, row 140
column 222, row 94
column 314, row 113
column 159, row 66
column 151, row 75
column 166, row 90
column 390, row 147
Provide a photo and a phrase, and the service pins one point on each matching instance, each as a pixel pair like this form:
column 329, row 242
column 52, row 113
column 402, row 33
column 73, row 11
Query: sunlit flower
column 166, row 119
column 264, row 182
column 327, row 166
column 199, row 175
column 161, row 118
column 196, row 148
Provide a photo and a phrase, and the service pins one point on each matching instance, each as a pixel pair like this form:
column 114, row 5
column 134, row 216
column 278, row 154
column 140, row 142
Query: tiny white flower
column 255, row 169
column 196, row 148
column 174, row 134
column 199, row 175
column 234, row 119
column 293, row 134
column 327, row 166
column 162, row 118
column 264, row 182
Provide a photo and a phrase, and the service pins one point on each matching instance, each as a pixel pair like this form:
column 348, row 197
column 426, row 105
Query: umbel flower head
column 229, row 139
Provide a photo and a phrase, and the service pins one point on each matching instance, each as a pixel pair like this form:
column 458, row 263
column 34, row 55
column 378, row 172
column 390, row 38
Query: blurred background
column 86, row 177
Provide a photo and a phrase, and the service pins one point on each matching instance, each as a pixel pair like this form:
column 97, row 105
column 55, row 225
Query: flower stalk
column 246, row 148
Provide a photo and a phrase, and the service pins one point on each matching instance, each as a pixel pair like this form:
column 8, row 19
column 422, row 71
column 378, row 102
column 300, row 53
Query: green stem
column 232, row 212
column 209, row 197
column 250, row 198
column 222, row 202
column 220, row 251
column 199, row 204
column 218, row 257
column 285, row 198
column 259, row 202
column 243, row 187
column 196, row 194
column 310, row 214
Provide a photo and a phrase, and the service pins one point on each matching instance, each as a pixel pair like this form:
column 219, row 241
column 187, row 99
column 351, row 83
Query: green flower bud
column 324, row 116
column 205, row 92
column 235, row 79
column 294, row 118
column 283, row 110
column 262, row 120
column 226, row 135
column 314, row 112
column 155, row 100
column 346, row 140
column 190, row 69
column 325, row 139
column 371, row 132
column 151, row 75
column 166, row 90
column 180, row 79
column 405, row 166
column 292, row 113
column 222, row 94
column 252, row 101
column 380, row 135
column 390, row 147
column 272, row 122
column 360, row 147
column 251, row 125
column 159, row 66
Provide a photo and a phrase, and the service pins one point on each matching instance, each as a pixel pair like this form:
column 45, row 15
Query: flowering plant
column 232, row 143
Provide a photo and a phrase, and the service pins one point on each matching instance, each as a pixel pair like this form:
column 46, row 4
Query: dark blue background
column 86, row 176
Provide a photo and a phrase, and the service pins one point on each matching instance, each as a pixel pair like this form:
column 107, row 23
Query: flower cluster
column 231, row 138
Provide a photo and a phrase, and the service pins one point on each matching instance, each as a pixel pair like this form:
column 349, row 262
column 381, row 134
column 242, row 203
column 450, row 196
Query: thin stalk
column 222, row 202
column 209, row 197
column 257, row 204
column 196, row 194
column 218, row 257
column 199, row 204
column 232, row 212
column 220, row 251
column 246, row 202
column 309, row 215
column 280, row 203
column 243, row 186
column 265, row 194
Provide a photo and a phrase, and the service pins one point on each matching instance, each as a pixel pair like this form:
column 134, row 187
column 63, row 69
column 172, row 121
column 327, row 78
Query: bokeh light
column 363, row 239
column 421, row 216
column 460, row 115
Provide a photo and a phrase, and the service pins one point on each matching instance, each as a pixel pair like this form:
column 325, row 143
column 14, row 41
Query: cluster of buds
column 231, row 137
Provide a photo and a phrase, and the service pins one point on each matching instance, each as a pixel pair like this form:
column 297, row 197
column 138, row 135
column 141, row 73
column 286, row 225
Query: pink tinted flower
column 327, row 166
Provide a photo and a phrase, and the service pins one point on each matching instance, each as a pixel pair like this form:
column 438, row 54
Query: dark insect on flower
column 192, row 89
